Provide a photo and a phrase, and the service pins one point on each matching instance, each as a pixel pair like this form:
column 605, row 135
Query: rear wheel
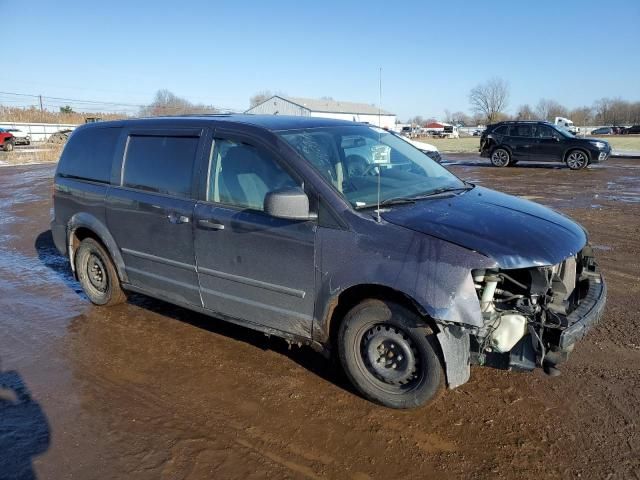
column 97, row 274
column 500, row 157
column 390, row 354
column 577, row 160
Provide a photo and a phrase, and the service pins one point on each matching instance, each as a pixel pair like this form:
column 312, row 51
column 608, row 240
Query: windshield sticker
column 381, row 154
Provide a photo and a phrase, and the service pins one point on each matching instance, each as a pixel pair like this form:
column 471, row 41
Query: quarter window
column 241, row 175
column 162, row 164
column 89, row 154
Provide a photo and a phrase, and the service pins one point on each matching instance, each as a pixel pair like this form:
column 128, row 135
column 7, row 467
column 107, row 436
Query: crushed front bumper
column 587, row 314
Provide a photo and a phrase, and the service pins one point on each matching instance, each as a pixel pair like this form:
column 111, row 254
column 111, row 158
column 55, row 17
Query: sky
column 222, row 52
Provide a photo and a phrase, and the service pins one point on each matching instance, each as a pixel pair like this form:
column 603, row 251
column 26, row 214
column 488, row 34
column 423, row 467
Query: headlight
column 599, row 145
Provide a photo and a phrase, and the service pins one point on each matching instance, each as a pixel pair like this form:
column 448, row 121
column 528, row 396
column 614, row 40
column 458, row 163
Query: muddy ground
column 147, row 390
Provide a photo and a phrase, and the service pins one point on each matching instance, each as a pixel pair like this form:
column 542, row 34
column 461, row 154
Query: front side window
column 241, row 175
column 161, row 164
column 542, row 131
column 357, row 159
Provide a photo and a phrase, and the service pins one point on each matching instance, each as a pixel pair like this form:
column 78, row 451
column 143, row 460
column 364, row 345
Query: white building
column 326, row 108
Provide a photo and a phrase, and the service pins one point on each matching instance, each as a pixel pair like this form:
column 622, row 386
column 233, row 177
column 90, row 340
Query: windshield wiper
column 438, row 191
column 414, row 199
column 387, row 202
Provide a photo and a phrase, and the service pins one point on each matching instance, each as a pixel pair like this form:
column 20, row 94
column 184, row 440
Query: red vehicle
column 7, row 141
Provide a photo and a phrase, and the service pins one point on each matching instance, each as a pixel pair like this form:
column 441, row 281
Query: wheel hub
column 389, row 355
column 96, row 273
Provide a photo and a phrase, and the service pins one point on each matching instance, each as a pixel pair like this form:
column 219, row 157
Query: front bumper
column 598, row 156
column 587, row 314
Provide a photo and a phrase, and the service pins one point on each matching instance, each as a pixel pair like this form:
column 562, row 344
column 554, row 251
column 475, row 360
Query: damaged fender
column 434, row 274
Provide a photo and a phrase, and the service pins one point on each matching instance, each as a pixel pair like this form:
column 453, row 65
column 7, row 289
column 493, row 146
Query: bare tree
column 581, row 116
column 490, row 99
column 167, row 103
column 260, row 97
column 550, row 109
column 525, row 112
column 457, row 118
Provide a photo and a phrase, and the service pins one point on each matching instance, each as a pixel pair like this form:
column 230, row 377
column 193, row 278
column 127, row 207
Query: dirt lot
column 147, row 390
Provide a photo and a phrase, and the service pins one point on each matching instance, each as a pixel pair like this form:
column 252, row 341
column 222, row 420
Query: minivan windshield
column 355, row 159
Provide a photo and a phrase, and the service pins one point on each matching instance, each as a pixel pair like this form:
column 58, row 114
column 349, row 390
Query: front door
column 548, row 145
column 252, row 266
column 150, row 213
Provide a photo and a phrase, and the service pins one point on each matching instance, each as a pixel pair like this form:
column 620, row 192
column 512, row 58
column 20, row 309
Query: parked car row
column 507, row 143
column 20, row 137
column 633, row 130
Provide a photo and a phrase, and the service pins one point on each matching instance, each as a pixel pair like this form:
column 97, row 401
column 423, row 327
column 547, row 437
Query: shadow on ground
column 24, row 429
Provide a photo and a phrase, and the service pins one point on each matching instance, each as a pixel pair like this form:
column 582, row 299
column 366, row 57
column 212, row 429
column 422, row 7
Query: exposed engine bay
column 526, row 311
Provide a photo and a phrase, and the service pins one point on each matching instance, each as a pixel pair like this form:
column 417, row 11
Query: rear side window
column 89, row 154
column 162, row 164
column 524, row 130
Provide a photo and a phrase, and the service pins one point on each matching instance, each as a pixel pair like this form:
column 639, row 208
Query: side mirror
column 289, row 203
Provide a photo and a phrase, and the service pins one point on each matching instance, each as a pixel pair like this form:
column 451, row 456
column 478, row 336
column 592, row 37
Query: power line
column 57, row 100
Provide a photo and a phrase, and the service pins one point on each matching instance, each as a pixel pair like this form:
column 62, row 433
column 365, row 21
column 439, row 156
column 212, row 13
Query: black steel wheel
column 97, row 274
column 500, row 157
column 390, row 354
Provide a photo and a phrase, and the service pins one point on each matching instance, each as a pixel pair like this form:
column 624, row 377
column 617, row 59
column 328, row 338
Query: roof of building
column 329, row 105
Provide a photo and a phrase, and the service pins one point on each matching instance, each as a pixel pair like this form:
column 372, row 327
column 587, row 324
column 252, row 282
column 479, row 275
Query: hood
column 422, row 146
column 514, row 232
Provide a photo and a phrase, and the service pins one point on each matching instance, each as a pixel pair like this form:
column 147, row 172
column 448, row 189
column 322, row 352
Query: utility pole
column 41, row 109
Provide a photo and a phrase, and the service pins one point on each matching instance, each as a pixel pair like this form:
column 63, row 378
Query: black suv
column 328, row 233
column 507, row 143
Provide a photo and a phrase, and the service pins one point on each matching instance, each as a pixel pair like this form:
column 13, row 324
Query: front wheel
column 390, row 354
column 577, row 160
column 97, row 274
column 8, row 146
column 500, row 157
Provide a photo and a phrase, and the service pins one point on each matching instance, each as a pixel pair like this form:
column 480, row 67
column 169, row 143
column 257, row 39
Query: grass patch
column 45, row 154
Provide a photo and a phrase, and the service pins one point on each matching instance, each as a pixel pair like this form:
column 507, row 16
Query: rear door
column 252, row 266
column 548, row 145
column 150, row 212
column 521, row 140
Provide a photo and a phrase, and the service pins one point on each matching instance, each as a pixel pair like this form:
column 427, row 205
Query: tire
column 500, row 157
column 577, row 159
column 8, row 146
column 97, row 274
column 368, row 337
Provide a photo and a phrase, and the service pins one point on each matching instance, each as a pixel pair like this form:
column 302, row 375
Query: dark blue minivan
column 329, row 233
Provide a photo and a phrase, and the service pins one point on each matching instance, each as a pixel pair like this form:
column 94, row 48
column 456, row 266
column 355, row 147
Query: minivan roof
column 269, row 122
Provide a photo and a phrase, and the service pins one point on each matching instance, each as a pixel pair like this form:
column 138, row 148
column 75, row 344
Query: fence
column 39, row 132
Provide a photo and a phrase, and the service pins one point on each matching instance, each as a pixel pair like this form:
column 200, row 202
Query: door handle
column 210, row 225
column 177, row 219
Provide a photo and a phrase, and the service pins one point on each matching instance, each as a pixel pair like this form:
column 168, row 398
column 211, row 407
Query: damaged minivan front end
column 533, row 316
